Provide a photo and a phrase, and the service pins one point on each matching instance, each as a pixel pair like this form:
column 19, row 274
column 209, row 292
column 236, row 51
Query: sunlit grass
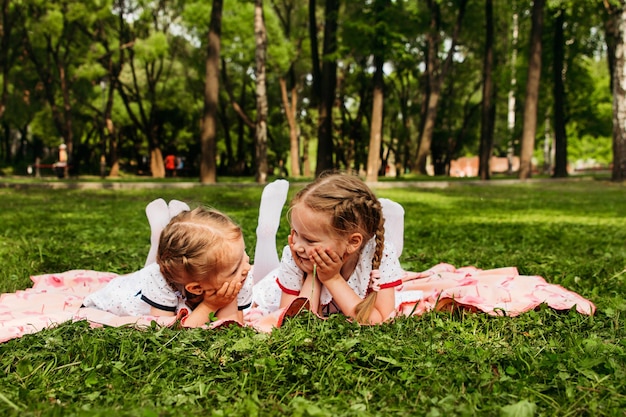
column 541, row 363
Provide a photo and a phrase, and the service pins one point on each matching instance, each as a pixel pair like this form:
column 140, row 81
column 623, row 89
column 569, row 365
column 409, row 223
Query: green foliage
column 540, row 363
column 281, row 51
column 53, row 23
column 152, row 48
column 90, row 41
column 42, row 125
column 591, row 148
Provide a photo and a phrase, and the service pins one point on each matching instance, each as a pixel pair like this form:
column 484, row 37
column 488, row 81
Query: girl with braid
column 201, row 269
column 337, row 256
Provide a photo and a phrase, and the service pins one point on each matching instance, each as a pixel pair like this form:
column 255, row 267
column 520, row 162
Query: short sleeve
column 244, row 298
column 290, row 278
column 391, row 271
column 156, row 291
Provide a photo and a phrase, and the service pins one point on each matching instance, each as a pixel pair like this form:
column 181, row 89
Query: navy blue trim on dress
column 157, row 305
column 244, row 307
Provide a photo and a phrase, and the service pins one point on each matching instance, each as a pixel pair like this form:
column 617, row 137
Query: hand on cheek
column 223, row 296
column 328, row 263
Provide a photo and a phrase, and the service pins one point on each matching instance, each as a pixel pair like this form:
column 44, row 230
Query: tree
column 436, row 72
column 8, row 48
column 291, row 17
column 560, row 133
column 511, row 100
column 615, row 29
column 208, row 167
column 328, row 86
column 488, row 107
column 532, row 91
column 56, row 47
column 376, row 129
column 260, row 143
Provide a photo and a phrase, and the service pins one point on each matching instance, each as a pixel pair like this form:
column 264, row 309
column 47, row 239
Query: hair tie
column 375, row 280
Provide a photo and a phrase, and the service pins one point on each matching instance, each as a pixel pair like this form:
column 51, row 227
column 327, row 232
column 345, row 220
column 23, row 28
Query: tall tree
column 615, row 29
column 511, row 101
column 532, row 91
column 208, row 139
column 55, row 46
column 436, row 72
column 488, row 107
column 260, row 142
column 289, row 13
column 112, row 59
column 560, row 133
column 328, row 87
column 376, row 128
column 8, row 48
column 147, row 83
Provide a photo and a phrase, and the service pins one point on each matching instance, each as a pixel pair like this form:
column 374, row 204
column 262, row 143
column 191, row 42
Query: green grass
column 541, row 363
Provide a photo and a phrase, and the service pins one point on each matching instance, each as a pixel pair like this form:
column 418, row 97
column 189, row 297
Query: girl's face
column 309, row 230
column 236, row 269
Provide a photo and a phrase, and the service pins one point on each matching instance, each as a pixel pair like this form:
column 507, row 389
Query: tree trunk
column 290, row 112
column 6, row 26
column 260, row 136
column 328, row 87
column 488, row 112
column 315, row 59
column 436, row 73
column 547, row 146
column 532, row 91
column 510, row 152
column 306, row 159
column 376, row 130
column 208, row 140
column 560, row 134
column 616, row 37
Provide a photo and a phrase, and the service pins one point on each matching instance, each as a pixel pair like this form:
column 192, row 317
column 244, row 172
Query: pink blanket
column 57, row 298
column 498, row 292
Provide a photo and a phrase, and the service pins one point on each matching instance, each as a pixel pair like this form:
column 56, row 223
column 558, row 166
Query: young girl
column 337, row 256
column 201, row 264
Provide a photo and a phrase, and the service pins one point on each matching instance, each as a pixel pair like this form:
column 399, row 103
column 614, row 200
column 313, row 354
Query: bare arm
column 311, row 289
column 230, row 312
column 286, row 299
column 160, row 313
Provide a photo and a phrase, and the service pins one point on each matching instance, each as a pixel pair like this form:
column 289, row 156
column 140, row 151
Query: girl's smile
column 310, row 231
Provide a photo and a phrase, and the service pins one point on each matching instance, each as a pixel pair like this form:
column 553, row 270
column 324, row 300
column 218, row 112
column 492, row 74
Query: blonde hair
column 191, row 247
column 352, row 207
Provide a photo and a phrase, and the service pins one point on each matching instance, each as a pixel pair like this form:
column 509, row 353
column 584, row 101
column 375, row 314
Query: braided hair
column 353, row 207
column 191, row 248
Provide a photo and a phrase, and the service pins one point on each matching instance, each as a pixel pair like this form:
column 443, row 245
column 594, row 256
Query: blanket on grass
column 57, row 298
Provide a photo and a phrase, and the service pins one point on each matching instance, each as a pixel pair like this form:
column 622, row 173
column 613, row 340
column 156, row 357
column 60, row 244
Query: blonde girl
column 201, row 269
column 337, row 256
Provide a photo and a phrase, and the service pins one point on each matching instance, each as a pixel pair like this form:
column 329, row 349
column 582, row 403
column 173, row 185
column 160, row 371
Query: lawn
column 573, row 233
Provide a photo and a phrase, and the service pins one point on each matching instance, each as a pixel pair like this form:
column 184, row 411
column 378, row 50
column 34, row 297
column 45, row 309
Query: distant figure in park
column 201, row 270
column 61, row 165
column 170, row 165
column 180, row 165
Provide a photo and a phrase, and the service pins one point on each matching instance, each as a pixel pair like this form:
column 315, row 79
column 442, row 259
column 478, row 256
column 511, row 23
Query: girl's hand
column 328, row 263
column 217, row 299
